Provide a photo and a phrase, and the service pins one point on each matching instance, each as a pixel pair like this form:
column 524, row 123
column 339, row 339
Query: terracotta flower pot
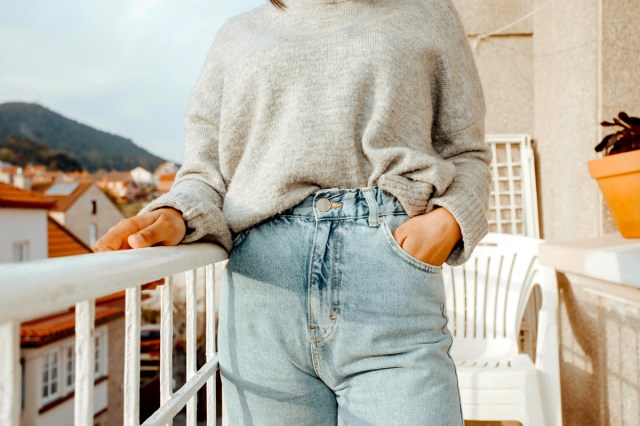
column 618, row 177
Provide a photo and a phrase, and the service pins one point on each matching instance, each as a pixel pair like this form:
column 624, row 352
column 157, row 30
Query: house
column 47, row 344
column 23, row 224
column 77, row 176
column 166, row 167
column 7, row 171
column 121, row 185
column 26, row 177
column 142, row 177
column 165, row 181
column 48, row 352
column 82, row 208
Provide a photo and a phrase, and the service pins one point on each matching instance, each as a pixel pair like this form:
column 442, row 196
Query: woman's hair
column 279, row 4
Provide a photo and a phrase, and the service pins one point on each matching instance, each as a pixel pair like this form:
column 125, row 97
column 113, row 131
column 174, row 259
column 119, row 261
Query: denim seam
column 315, row 355
column 241, row 237
column 335, row 289
column 443, row 308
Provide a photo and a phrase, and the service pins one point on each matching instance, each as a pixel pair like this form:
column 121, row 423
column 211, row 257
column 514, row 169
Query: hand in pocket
column 429, row 237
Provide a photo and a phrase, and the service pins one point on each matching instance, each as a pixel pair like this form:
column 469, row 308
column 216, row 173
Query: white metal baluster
column 210, row 306
column 191, row 342
column 85, row 353
column 10, row 382
column 166, row 341
column 132, row 358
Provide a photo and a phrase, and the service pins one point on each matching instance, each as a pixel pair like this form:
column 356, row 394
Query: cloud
column 127, row 67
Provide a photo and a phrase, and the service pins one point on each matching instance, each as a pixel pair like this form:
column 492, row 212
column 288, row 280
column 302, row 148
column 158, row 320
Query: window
column 93, row 233
column 20, row 251
column 50, row 375
column 94, row 207
column 70, row 367
column 101, row 368
column 58, row 367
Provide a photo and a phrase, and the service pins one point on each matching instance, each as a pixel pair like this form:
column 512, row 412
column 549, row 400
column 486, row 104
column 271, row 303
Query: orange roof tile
column 54, row 327
column 117, row 175
column 9, row 169
column 11, row 196
column 33, row 170
column 41, row 186
column 45, row 330
column 61, row 242
column 167, row 177
column 75, row 176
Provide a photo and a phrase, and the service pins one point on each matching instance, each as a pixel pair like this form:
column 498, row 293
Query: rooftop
column 10, row 196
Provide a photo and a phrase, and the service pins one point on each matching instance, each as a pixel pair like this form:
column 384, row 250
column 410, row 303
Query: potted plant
column 618, row 173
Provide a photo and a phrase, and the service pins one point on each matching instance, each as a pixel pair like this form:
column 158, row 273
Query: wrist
column 450, row 223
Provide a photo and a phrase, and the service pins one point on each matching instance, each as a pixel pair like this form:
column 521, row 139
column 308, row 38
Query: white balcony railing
column 34, row 289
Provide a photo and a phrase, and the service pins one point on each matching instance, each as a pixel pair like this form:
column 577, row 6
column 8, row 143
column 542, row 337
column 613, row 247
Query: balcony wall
column 586, row 70
column 505, row 63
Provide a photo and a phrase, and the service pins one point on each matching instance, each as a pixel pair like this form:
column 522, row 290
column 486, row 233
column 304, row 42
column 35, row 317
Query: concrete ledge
column 609, row 257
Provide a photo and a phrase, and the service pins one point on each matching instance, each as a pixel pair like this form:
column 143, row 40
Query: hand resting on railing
column 164, row 226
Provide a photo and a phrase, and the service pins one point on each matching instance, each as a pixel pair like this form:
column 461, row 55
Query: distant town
column 128, row 190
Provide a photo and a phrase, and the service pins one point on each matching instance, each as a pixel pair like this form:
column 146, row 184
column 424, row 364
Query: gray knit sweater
column 342, row 93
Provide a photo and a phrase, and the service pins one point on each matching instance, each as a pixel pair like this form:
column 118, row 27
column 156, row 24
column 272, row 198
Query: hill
column 92, row 148
column 21, row 151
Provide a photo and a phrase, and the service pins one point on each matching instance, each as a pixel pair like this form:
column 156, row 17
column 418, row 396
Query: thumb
column 147, row 236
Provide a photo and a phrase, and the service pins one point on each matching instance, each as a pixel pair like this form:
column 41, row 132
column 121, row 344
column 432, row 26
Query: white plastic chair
column 486, row 299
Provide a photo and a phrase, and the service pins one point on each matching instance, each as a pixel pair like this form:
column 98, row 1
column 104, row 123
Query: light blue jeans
column 325, row 319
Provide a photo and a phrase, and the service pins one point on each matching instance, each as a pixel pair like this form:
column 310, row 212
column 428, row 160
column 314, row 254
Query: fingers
column 399, row 234
column 116, row 237
column 162, row 226
column 159, row 231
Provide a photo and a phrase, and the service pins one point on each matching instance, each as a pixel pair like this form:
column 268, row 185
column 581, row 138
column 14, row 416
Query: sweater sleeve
column 199, row 188
column 458, row 136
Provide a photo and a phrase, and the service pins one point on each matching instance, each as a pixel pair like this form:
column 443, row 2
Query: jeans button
column 323, row 205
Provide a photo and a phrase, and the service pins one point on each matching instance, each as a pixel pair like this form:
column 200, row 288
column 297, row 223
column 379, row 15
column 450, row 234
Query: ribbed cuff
column 412, row 195
column 204, row 220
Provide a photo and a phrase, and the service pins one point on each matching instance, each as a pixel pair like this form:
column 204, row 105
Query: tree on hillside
column 23, row 152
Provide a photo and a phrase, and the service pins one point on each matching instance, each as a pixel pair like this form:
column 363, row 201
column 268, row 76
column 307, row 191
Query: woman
column 336, row 150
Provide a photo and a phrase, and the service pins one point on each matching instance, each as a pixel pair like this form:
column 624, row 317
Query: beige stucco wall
column 586, row 71
column 566, row 117
column 599, row 340
column 505, row 63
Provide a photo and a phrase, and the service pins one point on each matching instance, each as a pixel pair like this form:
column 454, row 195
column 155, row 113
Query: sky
column 126, row 67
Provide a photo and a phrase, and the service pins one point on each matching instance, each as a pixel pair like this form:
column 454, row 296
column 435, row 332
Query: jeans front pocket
column 389, row 224
column 240, row 236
